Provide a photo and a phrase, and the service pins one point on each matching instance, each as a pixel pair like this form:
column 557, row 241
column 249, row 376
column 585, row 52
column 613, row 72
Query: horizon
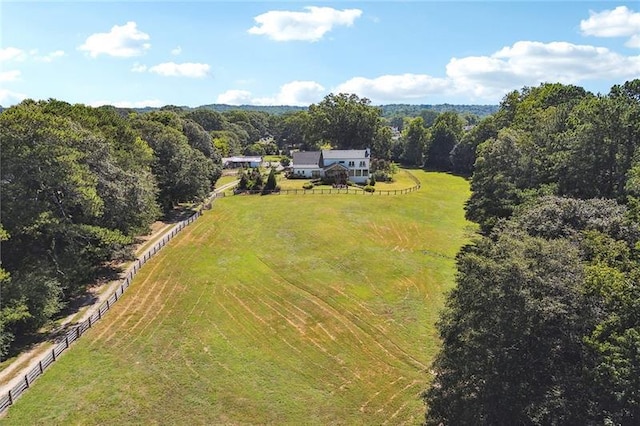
column 259, row 53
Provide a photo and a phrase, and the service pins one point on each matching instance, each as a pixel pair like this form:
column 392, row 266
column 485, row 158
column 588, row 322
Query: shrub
column 369, row 188
column 307, row 185
column 271, row 184
column 380, row 176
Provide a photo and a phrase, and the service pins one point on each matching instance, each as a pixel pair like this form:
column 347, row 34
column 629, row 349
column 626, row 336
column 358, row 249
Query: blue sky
column 154, row 53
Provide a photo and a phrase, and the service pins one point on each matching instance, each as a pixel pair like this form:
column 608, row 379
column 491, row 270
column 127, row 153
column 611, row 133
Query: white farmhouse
column 337, row 165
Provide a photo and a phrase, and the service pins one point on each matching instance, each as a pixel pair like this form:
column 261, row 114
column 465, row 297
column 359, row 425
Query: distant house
column 336, row 165
column 241, row 162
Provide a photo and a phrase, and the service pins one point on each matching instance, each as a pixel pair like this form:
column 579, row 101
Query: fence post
column 108, row 307
column 77, row 333
column 26, row 380
column 66, row 340
column 89, row 321
column 53, row 353
column 40, row 365
column 10, row 398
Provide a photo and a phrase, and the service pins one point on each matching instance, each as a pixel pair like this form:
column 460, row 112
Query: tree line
column 543, row 326
column 78, row 184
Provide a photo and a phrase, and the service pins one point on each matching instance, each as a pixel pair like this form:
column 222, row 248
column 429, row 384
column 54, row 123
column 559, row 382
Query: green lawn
column 401, row 180
column 272, row 310
column 273, row 157
column 226, row 179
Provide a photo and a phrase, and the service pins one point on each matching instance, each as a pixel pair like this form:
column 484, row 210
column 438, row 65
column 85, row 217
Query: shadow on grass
column 178, row 214
column 55, row 330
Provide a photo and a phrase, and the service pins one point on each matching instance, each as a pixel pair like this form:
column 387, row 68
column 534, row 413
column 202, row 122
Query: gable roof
column 336, row 166
column 306, row 158
column 335, row 154
column 242, row 160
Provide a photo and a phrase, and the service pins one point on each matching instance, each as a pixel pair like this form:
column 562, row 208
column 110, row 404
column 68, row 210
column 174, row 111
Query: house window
column 358, row 172
column 352, row 163
column 352, row 172
column 315, row 174
column 362, row 164
column 365, row 172
column 341, row 162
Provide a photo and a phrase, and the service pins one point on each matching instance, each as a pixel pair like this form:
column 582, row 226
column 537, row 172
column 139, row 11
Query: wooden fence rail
column 328, row 191
column 78, row 330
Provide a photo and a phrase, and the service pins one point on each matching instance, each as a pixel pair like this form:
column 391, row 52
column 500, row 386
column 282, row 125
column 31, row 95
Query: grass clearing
column 272, row 310
column 226, row 179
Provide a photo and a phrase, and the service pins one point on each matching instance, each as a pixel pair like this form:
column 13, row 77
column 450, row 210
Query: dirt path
column 96, row 295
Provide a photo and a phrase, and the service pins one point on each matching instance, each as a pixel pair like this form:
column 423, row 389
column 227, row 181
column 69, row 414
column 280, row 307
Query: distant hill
column 408, row 110
column 271, row 109
column 405, row 110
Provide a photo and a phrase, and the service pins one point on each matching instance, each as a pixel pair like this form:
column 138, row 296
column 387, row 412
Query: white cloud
column 51, row 56
column 12, row 54
column 138, row 67
column 15, row 54
column 392, row 88
column 155, row 103
column 8, row 98
column 619, row 22
column 187, row 69
column 12, row 75
column 297, row 93
column 634, row 41
column 488, row 78
column 122, row 41
column 310, row 25
column 531, row 63
column 235, row 97
column 176, row 51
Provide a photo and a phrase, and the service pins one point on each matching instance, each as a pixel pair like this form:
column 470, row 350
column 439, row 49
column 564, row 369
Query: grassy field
column 272, row 310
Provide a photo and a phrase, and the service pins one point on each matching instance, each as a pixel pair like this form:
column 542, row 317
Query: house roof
column 306, row 158
column 242, row 160
column 335, row 154
column 336, row 166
